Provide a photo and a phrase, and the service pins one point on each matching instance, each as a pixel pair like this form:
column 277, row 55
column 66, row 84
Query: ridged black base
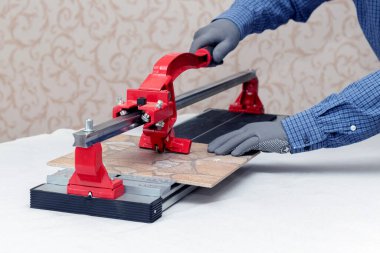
column 116, row 209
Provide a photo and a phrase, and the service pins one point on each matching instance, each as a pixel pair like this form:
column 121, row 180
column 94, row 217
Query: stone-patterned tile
column 122, row 155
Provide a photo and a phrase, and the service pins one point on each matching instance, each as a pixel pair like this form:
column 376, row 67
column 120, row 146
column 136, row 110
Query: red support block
column 90, row 177
column 248, row 100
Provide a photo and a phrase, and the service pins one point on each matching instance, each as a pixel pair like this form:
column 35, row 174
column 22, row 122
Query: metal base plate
column 144, row 201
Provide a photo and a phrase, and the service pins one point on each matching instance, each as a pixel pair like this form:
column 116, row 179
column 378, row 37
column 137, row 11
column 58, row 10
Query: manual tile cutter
column 89, row 189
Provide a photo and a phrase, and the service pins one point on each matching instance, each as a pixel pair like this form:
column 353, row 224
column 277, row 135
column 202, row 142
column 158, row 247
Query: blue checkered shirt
column 343, row 118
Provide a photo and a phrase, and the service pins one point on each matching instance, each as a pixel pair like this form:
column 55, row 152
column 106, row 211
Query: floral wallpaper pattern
column 62, row 61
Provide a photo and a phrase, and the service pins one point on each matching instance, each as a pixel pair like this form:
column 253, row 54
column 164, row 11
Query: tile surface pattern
column 121, row 155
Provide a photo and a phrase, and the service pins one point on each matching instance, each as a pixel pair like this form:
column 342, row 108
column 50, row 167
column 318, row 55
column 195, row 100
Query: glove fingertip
column 212, row 146
column 211, row 149
column 217, row 56
column 236, row 153
column 193, row 48
column 219, row 151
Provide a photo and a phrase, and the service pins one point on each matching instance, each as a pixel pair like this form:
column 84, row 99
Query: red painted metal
column 158, row 91
column 248, row 100
column 90, row 176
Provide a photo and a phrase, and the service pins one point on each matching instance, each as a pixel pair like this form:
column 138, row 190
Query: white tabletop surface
column 322, row 201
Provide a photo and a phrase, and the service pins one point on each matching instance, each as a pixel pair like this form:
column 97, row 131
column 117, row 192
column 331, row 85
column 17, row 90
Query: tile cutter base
column 145, row 198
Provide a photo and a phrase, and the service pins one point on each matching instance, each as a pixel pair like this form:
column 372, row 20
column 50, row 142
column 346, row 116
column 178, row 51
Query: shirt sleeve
column 350, row 116
column 255, row 16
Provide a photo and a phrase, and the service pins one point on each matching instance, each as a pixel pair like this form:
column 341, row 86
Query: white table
column 322, row 201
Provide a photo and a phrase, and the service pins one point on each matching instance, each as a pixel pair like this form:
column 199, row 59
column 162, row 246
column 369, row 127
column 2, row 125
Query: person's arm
column 341, row 119
column 350, row 116
column 249, row 16
column 255, row 16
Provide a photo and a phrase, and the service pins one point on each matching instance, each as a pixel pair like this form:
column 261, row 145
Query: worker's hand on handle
column 222, row 34
column 262, row 136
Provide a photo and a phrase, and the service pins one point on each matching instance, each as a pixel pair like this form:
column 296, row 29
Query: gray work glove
column 222, row 35
column 262, row 136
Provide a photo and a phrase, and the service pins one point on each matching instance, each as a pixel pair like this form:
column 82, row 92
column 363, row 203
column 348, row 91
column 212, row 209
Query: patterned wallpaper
column 64, row 61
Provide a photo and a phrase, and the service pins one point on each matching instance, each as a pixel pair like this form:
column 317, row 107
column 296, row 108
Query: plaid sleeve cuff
column 303, row 131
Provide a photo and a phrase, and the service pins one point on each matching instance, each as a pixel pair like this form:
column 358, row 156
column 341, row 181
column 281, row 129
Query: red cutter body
column 156, row 99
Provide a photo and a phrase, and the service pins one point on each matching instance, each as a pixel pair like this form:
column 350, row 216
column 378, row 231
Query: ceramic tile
column 122, row 155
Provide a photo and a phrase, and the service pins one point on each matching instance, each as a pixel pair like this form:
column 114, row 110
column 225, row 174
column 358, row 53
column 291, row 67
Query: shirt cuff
column 241, row 17
column 303, row 131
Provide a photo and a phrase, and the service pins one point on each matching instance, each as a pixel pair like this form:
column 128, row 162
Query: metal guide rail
column 87, row 137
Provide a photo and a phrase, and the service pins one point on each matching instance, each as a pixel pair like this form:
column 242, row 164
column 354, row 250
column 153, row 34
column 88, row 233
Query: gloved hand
column 263, row 136
column 222, row 34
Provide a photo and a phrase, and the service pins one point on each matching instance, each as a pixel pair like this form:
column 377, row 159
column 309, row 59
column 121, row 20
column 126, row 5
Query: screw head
column 123, row 112
column 145, row 117
column 120, row 101
column 89, row 125
column 160, row 124
column 159, row 104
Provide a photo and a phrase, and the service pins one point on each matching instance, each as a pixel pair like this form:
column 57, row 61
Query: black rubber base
column 116, row 209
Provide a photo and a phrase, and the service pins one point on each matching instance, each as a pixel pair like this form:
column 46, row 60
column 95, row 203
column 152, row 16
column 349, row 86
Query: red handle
column 176, row 63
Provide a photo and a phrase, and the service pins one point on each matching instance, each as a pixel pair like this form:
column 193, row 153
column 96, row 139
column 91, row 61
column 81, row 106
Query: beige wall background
column 64, row 61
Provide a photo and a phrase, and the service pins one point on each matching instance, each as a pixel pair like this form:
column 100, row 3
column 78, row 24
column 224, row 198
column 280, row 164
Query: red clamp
column 248, row 100
column 156, row 99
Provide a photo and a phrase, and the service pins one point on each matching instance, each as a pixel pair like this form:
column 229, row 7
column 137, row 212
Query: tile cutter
column 91, row 190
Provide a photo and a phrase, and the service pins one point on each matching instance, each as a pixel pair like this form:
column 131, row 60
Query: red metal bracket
column 248, row 101
column 156, row 99
column 90, row 176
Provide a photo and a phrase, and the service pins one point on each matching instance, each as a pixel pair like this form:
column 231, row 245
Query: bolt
column 89, row 125
column 132, row 126
column 123, row 112
column 145, row 117
column 160, row 124
column 120, row 101
column 159, row 104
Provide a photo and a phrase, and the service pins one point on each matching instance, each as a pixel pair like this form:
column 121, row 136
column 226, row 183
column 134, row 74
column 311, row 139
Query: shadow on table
column 247, row 172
